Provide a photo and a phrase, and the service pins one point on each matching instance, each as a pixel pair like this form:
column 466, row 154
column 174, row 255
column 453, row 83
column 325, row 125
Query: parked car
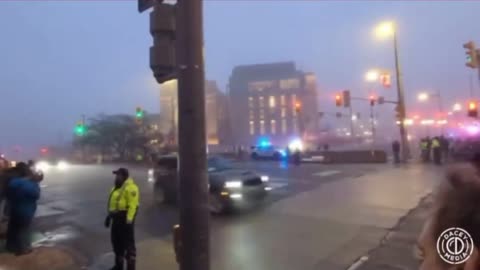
column 229, row 187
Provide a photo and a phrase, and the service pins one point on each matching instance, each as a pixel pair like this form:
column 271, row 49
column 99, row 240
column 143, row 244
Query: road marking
column 326, row 173
column 43, row 186
column 277, row 185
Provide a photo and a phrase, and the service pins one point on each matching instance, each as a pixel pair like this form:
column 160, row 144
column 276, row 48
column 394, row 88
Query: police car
column 267, row 152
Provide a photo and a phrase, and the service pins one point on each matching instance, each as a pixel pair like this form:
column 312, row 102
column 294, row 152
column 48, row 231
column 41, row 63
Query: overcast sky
column 62, row 59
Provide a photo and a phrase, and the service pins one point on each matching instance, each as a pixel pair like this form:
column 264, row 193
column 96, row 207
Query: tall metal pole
column 440, row 108
column 471, row 85
column 372, row 126
column 401, row 102
column 352, row 130
column 194, row 209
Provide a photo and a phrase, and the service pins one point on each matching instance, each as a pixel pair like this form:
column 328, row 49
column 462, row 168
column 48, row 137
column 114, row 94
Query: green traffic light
column 80, row 130
column 139, row 114
column 469, row 59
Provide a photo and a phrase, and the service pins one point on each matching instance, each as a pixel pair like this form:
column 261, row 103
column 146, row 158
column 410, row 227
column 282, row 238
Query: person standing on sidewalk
column 122, row 209
column 23, row 193
column 437, row 151
column 396, row 151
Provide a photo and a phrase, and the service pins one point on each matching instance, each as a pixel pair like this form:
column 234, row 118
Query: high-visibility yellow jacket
column 435, row 143
column 424, row 145
column 126, row 198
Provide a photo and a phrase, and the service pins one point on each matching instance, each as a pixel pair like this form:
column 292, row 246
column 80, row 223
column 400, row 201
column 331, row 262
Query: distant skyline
column 63, row 59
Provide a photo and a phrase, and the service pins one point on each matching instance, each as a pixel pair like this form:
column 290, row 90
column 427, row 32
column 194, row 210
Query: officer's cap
column 122, row 172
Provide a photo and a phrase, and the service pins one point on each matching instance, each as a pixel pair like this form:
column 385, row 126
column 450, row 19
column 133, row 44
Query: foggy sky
column 59, row 60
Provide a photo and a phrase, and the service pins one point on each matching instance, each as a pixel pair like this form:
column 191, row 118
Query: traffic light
column 372, row 100
column 80, row 128
column 44, row 150
column 472, row 54
column 386, row 80
column 398, row 114
column 472, row 109
column 338, row 100
column 162, row 28
column 346, row 98
column 139, row 113
column 298, row 107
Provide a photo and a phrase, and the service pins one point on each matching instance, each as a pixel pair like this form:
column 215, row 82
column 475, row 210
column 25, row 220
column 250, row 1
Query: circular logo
column 455, row 245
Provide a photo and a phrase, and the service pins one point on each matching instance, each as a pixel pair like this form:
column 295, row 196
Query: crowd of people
column 19, row 194
column 436, row 149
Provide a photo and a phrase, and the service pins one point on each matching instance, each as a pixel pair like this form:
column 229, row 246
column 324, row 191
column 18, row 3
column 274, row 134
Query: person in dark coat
column 396, row 151
column 23, row 193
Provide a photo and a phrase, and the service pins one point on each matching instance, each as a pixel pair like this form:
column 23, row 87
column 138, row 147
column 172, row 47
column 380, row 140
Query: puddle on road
column 53, row 237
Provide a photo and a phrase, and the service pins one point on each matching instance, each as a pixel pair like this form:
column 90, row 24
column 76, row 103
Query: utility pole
column 401, row 102
column 194, row 208
column 178, row 52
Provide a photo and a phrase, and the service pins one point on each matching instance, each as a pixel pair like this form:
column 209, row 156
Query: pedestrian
column 456, row 204
column 429, row 148
column 23, row 193
column 122, row 209
column 437, row 151
column 445, row 147
column 396, row 151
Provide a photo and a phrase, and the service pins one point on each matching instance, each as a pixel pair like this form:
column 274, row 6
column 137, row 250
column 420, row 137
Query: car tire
column 215, row 204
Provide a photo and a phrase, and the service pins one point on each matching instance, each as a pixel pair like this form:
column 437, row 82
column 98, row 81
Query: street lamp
column 386, row 30
column 372, row 75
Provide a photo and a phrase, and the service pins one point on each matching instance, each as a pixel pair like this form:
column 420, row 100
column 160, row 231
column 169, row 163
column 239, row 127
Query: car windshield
column 219, row 164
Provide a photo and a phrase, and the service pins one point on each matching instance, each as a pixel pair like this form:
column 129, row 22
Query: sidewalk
column 397, row 249
column 51, row 258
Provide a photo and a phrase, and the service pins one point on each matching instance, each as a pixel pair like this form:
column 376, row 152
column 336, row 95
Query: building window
column 289, row 84
column 252, row 115
column 261, row 102
column 284, row 126
column 262, row 114
column 262, row 127
column 250, row 102
column 252, row 128
column 260, row 86
column 273, row 127
column 284, row 112
column 271, row 102
column 282, row 100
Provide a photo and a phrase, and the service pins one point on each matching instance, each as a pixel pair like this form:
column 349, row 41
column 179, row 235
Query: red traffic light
column 44, row 150
column 338, row 100
column 372, row 100
column 472, row 109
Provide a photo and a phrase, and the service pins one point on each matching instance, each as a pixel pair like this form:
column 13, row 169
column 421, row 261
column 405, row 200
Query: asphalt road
column 73, row 207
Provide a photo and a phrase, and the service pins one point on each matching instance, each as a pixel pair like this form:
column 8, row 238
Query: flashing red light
column 43, row 150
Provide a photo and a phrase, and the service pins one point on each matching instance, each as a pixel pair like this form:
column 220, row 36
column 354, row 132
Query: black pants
column 437, row 156
column 18, row 234
column 396, row 156
column 123, row 241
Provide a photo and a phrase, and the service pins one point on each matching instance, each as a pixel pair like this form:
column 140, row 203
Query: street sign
column 146, row 4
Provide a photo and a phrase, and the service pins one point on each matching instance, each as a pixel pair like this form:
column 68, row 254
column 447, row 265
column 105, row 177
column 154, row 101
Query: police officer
column 122, row 209
column 437, row 151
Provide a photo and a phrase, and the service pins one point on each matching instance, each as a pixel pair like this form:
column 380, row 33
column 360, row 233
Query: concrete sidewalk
column 51, row 258
column 397, row 248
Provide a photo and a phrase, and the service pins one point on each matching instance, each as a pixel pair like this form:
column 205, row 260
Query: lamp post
column 387, row 29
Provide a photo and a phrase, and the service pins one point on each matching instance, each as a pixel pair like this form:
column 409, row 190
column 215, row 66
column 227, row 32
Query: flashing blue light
column 264, row 142
column 283, row 153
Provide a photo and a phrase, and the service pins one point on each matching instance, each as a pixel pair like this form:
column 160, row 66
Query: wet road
column 311, row 198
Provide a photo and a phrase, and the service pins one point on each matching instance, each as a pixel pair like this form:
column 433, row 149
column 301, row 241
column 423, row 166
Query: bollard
column 177, row 242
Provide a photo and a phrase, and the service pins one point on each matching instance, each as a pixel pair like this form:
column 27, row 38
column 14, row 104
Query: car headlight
column 233, row 184
column 265, row 178
column 62, row 165
column 42, row 166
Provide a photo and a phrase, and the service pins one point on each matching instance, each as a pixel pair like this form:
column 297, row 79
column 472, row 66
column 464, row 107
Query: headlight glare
column 233, row 184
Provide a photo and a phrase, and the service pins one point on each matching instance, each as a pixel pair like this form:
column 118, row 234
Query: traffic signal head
column 346, row 98
column 372, row 100
column 472, row 109
column 80, row 128
column 298, row 106
column 338, row 100
column 139, row 113
column 472, row 55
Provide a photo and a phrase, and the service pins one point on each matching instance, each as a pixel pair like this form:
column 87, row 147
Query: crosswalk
column 277, row 183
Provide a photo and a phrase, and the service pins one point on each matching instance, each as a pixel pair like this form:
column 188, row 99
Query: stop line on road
column 326, row 173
